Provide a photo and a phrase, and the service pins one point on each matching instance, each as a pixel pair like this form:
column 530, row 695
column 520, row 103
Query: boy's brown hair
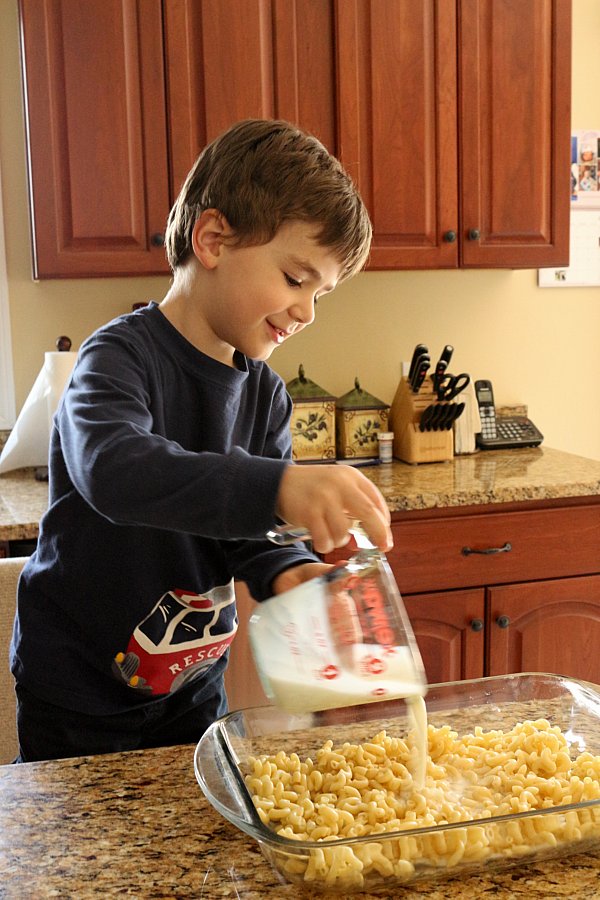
column 261, row 173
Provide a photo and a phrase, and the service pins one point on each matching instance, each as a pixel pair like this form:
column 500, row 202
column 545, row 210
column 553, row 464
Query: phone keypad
column 507, row 432
column 488, row 423
column 514, row 430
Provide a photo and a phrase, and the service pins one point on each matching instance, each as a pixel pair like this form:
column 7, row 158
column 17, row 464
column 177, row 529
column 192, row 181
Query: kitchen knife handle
column 447, row 354
column 419, row 350
column 419, row 375
column 442, row 365
column 439, row 373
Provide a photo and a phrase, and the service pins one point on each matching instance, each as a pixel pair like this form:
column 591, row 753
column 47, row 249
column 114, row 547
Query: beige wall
column 540, row 347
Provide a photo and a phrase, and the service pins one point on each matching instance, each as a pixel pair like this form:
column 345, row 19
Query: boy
column 170, row 459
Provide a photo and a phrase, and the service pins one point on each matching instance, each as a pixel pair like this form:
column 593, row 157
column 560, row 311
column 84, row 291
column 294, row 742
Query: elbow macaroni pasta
column 365, row 789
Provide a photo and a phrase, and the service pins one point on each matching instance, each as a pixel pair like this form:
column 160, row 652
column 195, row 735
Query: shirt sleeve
column 131, row 475
column 259, row 562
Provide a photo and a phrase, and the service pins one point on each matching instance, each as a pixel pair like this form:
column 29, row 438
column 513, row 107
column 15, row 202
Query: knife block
column 410, row 444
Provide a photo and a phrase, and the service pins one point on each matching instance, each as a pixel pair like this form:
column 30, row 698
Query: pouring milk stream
column 341, row 639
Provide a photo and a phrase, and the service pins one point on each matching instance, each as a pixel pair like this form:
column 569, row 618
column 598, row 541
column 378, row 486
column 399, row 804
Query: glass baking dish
column 406, row 855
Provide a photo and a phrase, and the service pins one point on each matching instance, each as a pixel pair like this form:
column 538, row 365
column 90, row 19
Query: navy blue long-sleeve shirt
column 164, row 471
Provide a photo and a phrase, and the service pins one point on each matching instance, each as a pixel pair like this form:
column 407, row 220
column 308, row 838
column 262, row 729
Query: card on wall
column 584, row 254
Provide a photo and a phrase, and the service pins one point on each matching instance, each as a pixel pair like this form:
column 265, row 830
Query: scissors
column 449, row 386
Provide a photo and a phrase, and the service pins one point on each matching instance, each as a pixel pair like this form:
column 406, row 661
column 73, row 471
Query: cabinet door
column 546, row 626
column 515, row 71
column 397, row 118
column 251, row 59
column 96, row 132
column 449, row 628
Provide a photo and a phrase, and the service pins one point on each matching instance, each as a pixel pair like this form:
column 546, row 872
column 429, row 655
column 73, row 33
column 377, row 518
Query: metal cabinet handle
column 503, row 621
column 473, row 234
column 489, row 551
column 449, row 237
column 477, row 625
column 157, row 240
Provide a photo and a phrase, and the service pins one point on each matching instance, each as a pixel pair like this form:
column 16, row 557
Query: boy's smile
column 252, row 299
column 279, row 335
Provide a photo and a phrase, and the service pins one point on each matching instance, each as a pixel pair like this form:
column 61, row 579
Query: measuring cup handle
column 284, row 535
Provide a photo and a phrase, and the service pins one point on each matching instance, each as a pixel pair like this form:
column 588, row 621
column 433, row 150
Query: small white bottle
column 386, row 446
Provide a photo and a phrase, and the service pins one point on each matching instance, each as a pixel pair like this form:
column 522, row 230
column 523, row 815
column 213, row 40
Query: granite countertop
column 137, row 824
column 491, row 476
column 23, row 501
column 488, row 476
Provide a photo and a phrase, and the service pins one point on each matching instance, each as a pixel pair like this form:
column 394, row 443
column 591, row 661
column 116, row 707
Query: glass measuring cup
column 338, row 640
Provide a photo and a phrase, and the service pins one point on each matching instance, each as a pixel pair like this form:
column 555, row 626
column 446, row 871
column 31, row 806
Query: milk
column 300, row 692
column 417, row 712
column 339, row 640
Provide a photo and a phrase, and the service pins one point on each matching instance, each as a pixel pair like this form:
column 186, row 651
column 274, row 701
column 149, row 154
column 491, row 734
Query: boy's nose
column 303, row 311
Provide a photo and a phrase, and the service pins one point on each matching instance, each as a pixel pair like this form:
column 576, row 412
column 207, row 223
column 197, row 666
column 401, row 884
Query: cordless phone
column 505, row 432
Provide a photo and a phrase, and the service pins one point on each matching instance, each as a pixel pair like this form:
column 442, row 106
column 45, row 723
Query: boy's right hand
column 326, row 499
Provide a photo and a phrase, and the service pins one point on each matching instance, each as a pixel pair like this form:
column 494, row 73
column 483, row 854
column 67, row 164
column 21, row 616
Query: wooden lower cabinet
column 528, row 573
column 449, row 629
column 241, row 678
column 489, row 590
column 539, row 626
column 547, row 626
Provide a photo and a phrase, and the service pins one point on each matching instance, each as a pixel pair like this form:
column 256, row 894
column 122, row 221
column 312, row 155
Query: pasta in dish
column 366, row 789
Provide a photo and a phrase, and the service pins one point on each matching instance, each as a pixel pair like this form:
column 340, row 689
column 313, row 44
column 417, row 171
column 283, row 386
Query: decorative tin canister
column 313, row 420
column 359, row 417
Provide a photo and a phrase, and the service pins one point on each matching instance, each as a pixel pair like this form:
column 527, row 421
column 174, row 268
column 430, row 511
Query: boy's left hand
column 291, row 578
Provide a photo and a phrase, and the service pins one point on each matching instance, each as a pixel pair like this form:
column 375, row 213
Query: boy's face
column 259, row 296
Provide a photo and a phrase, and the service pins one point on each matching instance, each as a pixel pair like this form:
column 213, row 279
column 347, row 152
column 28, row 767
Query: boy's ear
column 208, row 234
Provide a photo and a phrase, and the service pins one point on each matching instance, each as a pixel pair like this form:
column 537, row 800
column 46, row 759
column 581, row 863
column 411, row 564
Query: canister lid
column 359, row 399
column 302, row 388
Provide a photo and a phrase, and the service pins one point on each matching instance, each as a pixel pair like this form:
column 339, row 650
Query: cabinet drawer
column 429, row 553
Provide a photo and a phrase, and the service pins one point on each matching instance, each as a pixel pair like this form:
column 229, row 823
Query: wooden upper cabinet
column 252, row 59
column 515, row 76
column 397, row 119
column 421, row 80
column 96, row 129
column 453, row 117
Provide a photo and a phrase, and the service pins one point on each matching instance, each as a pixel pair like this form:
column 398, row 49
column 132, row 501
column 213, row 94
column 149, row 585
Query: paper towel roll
column 29, row 440
column 469, row 424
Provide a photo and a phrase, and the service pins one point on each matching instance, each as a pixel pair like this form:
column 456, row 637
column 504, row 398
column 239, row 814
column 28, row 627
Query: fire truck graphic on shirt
column 183, row 636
